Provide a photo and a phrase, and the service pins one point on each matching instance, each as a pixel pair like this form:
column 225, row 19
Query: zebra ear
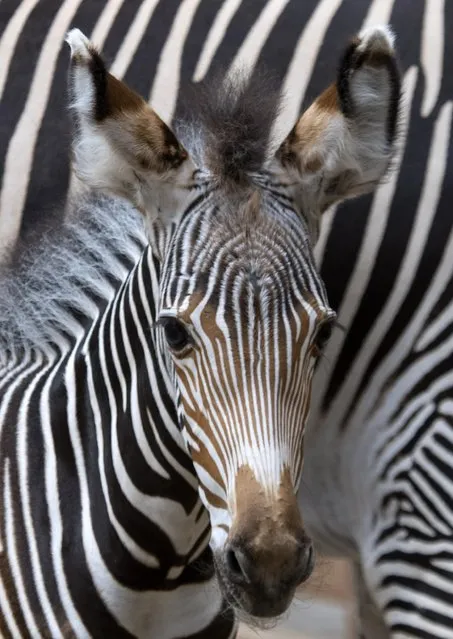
column 120, row 144
column 342, row 145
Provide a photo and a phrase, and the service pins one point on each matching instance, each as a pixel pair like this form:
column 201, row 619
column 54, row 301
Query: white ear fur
column 342, row 145
column 120, row 145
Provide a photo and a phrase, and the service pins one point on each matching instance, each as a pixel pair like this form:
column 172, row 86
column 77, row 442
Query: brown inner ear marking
column 328, row 100
column 155, row 145
column 120, row 97
column 157, row 148
column 295, row 150
column 287, row 153
column 133, row 126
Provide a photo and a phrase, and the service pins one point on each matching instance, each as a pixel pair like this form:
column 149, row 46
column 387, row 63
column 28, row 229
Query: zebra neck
column 139, row 465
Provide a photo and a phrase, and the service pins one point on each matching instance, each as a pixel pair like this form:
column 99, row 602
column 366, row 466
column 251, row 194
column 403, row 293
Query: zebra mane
column 64, row 268
column 227, row 124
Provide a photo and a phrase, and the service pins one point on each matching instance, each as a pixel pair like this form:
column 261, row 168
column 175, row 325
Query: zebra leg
column 369, row 620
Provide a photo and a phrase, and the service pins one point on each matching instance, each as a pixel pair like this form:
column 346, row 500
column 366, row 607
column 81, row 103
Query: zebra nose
column 269, row 576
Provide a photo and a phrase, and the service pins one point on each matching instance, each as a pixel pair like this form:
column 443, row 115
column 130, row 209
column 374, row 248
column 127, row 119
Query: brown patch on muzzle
column 264, row 518
column 268, row 553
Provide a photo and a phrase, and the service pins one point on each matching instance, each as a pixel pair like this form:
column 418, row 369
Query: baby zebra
column 157, row 353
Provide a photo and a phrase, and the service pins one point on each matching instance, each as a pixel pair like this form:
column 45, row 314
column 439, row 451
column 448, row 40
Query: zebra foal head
column 242, row 310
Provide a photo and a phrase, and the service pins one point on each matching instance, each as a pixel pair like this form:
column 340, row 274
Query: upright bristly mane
column 227, row 125
column 64, row 269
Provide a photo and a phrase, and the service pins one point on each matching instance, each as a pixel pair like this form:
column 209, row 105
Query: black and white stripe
column 102, row 530
column 386, row 264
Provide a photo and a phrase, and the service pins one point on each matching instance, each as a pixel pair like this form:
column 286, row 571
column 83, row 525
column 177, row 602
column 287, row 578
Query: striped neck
column 139, row 466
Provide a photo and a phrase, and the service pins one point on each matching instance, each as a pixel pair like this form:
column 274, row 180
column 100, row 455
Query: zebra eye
column 175, row 333
column 322, row 336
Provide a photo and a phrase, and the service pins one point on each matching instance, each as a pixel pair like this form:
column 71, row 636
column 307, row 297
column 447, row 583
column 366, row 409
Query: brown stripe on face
column 202, row 456
column 290, row 384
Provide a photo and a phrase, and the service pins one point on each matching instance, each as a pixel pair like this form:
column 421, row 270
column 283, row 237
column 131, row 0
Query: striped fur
column 393, row 287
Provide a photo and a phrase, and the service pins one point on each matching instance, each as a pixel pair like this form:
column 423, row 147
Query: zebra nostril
column 236, row 564
column 307, row 562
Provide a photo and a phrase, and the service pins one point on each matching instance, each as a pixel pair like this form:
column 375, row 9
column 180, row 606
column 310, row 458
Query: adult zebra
column 395, row 275
column 154, row 395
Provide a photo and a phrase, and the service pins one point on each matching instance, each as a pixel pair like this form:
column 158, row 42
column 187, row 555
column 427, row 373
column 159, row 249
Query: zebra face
column 241, row 305
column 245, row 317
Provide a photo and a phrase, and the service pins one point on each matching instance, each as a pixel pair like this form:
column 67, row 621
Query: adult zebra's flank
column 155, row 387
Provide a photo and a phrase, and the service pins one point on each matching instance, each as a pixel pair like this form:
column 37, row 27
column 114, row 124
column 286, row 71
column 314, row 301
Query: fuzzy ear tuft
column 79, row 44
column 342, row 145
column 120, row 144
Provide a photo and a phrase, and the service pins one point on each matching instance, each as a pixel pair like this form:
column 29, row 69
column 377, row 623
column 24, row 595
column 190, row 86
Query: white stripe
column 54, row 505
column 302, row 64
column 405, row 383
column 19, row 157
column 403, row 431
column 133, row 38
column 166, row 82
column 135, row 550
column 371, row 241
column 129, row 310
column 249, row 51
column 326, row 226
column 426, row 210
column 7, row 613
column 446, row 407
column 171, row 460
column 432, row 54
column 11, row 549
column 214, row 38
column 379, row 12
column 411, row 569
column 105, row 21
column 23, row 423
column 10, row 37
column 435, row 328
column 21, row 373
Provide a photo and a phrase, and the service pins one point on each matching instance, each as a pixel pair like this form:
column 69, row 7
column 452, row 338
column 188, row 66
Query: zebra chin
column 259, row 594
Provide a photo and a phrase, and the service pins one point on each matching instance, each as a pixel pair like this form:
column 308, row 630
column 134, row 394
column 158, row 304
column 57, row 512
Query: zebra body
column 378, row 472
column 376, row 487
column 156, row 387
